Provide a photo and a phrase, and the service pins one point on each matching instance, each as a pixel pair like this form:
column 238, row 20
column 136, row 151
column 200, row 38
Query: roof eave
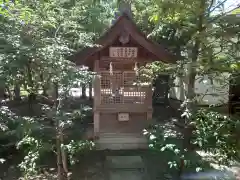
column 124, row 23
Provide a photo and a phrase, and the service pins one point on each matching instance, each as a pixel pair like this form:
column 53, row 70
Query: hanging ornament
column 136, row 68
column 110, row 69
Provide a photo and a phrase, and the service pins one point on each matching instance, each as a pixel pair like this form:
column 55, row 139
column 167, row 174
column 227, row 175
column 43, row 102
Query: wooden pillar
column 96, row 123
column 90, row 90
column 97, row 97
column 97, row 94
column 149, row 102
column 149, row 115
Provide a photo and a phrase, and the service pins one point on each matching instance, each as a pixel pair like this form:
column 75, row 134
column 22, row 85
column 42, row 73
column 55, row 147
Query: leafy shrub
column 217, row 134
column 9, row 134
column 32, row 147
column 78, row 147
column 169, row 143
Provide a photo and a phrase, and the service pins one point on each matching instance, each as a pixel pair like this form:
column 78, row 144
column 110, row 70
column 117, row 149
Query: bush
column 217, row 134
column 169, row 143
column 9, row 136
column 75, row 148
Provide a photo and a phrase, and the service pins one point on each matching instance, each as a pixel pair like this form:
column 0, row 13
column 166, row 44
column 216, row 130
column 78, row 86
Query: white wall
column 211, row 91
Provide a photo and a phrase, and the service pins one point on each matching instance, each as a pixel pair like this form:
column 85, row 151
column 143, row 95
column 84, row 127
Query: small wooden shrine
column 121, row 104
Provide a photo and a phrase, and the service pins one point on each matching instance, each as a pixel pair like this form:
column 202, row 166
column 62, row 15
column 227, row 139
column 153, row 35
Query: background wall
column 210, row 90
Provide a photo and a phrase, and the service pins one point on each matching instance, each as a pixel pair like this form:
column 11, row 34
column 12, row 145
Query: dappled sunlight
column 214, row 174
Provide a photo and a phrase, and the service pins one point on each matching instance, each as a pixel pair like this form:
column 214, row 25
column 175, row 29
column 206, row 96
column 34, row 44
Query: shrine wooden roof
column 123, row 23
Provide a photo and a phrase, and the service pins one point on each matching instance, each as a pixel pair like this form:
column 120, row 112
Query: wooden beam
column 107, row 58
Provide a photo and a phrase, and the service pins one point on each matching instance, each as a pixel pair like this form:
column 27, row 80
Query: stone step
column 125, row 167
column 121, row 146
column 121, row 135
column 121, row 141
column 124, row 162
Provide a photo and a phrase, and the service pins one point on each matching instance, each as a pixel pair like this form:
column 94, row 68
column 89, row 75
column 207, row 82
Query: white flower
column 205, row 81
column 152, row 137
column 151, row 145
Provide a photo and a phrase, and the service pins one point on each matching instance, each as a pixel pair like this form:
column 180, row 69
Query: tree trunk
column 59, row 141
column 2, row 91
column 32, row 95
column 194, row 57
column 181, row 166
column 44, row 87
column 59, row 158
column 191, row 76
column 64, row 157
column 84, row 90
column 17, row 92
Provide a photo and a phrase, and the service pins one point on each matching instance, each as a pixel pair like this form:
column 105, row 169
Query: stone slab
column 124, row 162
column 126, row 175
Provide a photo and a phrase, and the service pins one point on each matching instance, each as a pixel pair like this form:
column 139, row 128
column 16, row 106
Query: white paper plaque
column 123, row 52
column 123, row 117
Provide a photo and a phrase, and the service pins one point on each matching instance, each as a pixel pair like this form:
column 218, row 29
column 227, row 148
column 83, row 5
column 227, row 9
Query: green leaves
column 167, row 142
column 75, row 148
column 37, row 39
column 217, row 134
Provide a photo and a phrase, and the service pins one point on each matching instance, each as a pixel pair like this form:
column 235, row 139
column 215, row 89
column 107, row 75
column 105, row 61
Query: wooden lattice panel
column 121, row 88
column 129, row 79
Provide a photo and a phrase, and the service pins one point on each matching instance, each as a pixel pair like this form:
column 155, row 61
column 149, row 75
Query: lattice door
column 121, row 88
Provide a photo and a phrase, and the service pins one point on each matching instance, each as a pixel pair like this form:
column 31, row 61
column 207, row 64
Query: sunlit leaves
column 78, row 146
column 32, row 146
column 175, row 26
column 217, row 134
column 152, row 70
column 37, row 36
column 173, row 11
column 169, row 143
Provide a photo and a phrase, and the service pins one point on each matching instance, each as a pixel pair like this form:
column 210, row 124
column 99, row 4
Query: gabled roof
column 124, row 23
